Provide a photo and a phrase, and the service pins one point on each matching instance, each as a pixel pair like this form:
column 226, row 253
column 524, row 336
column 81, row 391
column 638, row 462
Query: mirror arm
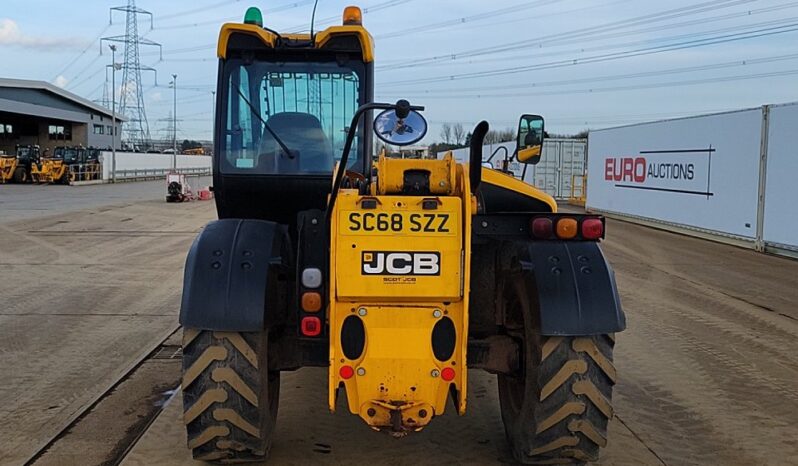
column 350, row 136
column 506, row 151
column 475, row 158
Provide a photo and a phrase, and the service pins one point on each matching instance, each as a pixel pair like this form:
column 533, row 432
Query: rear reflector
column 592, row 228
column 346, row 372
column 311, row 301
column 542, row 228
column 311, row 277
column 447, row 374
column 311, row 326
column 566, row 228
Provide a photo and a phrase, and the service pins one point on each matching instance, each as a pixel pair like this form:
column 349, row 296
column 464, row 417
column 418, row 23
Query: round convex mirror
column 400, row 131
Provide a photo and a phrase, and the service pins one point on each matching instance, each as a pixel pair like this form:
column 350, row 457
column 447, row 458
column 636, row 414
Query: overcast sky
column 580, row 63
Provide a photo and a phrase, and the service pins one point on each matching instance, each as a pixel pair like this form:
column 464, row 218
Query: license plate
column 388, row 223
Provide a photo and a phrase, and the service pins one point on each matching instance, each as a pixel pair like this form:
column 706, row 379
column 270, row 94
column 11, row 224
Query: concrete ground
column 708, row 367
column 21, row 201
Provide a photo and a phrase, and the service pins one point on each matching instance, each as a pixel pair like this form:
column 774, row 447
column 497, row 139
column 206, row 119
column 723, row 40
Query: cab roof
column 322, row 40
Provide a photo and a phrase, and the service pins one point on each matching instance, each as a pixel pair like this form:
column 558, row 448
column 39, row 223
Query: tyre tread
column 223, row 396
column 577, row 371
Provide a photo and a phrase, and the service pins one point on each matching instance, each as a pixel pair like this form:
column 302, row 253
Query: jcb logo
column 400, row 263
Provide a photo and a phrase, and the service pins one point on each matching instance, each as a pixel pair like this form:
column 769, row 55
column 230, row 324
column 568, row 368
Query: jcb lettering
column 400, row 263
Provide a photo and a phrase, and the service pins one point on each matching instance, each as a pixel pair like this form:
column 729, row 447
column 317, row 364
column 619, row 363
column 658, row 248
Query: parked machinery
column 50, row 169
column 18, row 167
column 8, row 165
column 397, row 275
column 91, row 165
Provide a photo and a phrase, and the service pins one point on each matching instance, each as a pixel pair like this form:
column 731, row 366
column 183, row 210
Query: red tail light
column 542, row 228
column 447, row 374
column 592, row 228
column 311, row 326
column 346, row 372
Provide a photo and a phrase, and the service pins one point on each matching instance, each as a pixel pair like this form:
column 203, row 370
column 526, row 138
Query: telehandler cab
column 397, row 275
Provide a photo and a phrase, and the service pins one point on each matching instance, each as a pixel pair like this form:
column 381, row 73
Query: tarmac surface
column 708, row 368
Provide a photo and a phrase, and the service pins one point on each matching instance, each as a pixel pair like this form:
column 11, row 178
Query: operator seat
column 302, row 133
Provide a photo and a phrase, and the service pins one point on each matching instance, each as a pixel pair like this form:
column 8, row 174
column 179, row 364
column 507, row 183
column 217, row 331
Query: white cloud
column 60, row 81
column 156, row 96
column 11, row 34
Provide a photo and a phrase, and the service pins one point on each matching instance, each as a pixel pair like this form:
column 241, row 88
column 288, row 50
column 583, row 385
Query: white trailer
column 727, row 176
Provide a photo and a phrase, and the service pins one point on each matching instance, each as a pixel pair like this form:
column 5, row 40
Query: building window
column 99, row 129
column 60, row 132
column 6, row 132
column 109, row 129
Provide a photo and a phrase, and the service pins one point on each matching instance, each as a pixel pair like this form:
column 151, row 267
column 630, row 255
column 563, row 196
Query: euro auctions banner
column 701, row 172
column 677, row 170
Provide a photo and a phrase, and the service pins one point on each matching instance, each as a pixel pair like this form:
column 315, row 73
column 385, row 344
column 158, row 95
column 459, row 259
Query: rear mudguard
column 575, row 288
column 228, row 269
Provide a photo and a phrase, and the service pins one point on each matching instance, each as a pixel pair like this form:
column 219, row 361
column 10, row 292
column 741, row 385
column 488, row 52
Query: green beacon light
column 253, row 16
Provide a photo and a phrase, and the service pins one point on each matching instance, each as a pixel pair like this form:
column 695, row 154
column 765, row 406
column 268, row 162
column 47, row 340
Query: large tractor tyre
column 229, row 396
column 557, row 409
column 21, row 175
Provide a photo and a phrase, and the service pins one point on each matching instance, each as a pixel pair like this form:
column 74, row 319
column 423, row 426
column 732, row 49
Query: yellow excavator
column 395, row 275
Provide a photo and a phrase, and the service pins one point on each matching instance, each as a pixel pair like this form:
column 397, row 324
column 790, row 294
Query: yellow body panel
column 529, row 153
column 48, row 171
column 7, row 167
column 398, row 381
column 322, row 37
column 442, row 173
column 375, row 247
column 498, row 178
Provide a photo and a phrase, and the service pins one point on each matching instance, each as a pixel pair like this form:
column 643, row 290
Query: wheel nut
column 362, row 311
column 422, row 413
column 435, row 372
column 436, row 313
column 361, row 371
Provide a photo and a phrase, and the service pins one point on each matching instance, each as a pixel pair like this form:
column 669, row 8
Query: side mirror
column 398, row 130
column 530, row 139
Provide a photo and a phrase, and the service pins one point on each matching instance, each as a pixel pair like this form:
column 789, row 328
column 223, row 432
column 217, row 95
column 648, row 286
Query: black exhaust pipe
column 475, row 157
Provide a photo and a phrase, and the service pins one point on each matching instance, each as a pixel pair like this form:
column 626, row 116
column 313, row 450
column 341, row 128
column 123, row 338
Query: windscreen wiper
column 280, row 142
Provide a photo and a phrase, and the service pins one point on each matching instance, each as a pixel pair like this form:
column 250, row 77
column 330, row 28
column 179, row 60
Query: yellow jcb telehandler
column 17, row 168
column 397, row 275
column 50, row 170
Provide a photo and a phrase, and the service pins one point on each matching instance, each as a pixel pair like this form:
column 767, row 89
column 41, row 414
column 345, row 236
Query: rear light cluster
column 311, row 302
column 567, row 227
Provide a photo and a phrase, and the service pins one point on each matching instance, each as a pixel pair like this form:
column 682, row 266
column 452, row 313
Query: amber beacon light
column 353, row 16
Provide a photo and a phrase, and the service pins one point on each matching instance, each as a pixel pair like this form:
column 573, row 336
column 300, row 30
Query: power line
column 606, row 57
column 583, row 32
column 277, row 9
column 464, row 20
column 638, row 42
column 692, row 82
column 561, row 82
column 290, row 30
column 82, row 52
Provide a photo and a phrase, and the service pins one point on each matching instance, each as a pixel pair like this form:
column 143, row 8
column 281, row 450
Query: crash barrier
column 134, row 166
column 562, row 159
column 141, row 174
column 726, row 176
